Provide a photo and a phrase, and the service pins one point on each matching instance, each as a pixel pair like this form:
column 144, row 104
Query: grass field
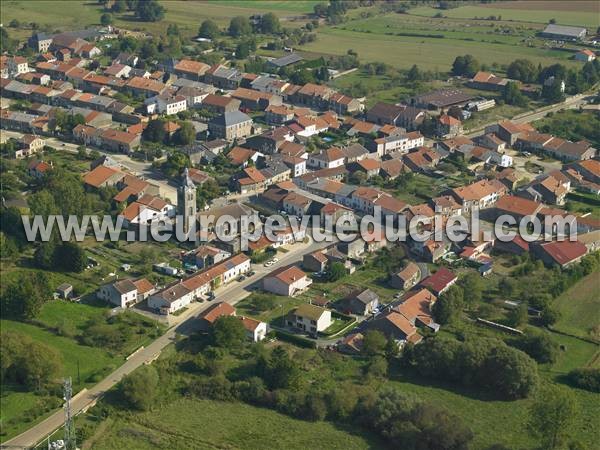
column 581, row 14
column 188, row 15
column 86, row 365
column 427, row 53
column 580, row 308
column 204, row 424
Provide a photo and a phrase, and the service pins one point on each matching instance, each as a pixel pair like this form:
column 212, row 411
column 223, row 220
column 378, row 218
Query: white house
column 310, row 318
column 287, row 281
column 327, row 159
column 256, row 330
column 147, row 209
column 171, row 299
column 17, row 65
column 166, row 104
column 125, row 293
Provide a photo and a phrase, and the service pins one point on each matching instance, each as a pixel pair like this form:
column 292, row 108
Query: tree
column 374, row 343
column 465, row 65
column 269, row 24
column 228, row 332
column 44, row 255
column 70, row 257
column 337, row 271
column 281, row 371
column 378, row 367
column 587, row 378
column 472, row 287
column 510, row 373
column 449, row 306
column 24, row 298
column 552, row 91
column 518, row 316
column 240, row 26
column 512, row 95
column 140, row 388
column 155, row 131
column 539, row 345
column 106, row 19
column 549, row 316
column 149, row 11
column 186, row 134
column 118, row 6
column 552, row 416
column 522, row 70
column 208, row 29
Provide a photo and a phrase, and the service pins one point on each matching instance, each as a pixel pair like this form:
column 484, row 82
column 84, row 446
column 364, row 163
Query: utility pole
column 70, row 438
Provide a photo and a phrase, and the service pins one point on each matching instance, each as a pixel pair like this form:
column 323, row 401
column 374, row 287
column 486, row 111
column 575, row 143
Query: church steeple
column 186, row 201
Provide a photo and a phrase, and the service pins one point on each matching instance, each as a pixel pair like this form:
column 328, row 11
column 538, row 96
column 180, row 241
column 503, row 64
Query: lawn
column 205, row 424
column 584, row 203
column 580, row 13
column 580, row 308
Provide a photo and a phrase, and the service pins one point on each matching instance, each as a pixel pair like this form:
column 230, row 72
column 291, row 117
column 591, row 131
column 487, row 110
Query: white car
column 274, row 260
column 268, row 264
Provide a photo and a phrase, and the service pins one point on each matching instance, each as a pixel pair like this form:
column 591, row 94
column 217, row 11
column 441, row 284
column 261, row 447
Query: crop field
column 204, row 424
column 564, row 12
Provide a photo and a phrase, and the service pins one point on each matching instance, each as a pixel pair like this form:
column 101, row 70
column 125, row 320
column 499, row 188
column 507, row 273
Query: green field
column 86, row 365
column 65, row 15
column 543, row 12
column 203, row 424
column 580, row 308
column 427, row 53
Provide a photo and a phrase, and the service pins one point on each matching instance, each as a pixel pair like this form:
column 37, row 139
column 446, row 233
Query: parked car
column 241, row 278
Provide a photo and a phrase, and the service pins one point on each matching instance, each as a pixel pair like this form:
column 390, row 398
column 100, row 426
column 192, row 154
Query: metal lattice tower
column 70, row 438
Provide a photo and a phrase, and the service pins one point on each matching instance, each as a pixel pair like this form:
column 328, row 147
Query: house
column 126, row 293
column 361, row 302
column 422, row 159
column 508, row 131
column 231, row 125
column 296, row 204
column 559, row 253
column 309, row 318
column 354, row 152
column 440, row 281
column 166, row 104
column 38, row 169
column 214, row 312
column 223, row 77
column 255, row 100
column 404, row 116
column 370, row 167
column 445, row 205
column 441, row 99
column 585, row 55
column 517, row 207
column 17, row 65
column 327, row 159
column 64, row 291
column 448, row 126
column 429, row 250
column 191, row 70
column 29, row 144
column 270, row 141
column 206, row 256
column 407, row 277
column 354, row 249
column 284, row 61
column 315, row 261
column 145, row 87
column 103, row 176
column 416, row 306
column 220, row 104
column 256, row 330
column 395, row 143
column 240, row 156
column 492, row 142
column 563, row 33
column 344, row 104
column 118, row 70
column 516, row 246
column 288, row 281
column 147, row 209
column 395, row 326
column 120, row 141
column 488, row 81
column 351, row 344
column 481, row 194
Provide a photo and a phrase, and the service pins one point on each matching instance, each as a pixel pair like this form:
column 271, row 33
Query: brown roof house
column 407, row 277
column 288, row 281
column 361, row 302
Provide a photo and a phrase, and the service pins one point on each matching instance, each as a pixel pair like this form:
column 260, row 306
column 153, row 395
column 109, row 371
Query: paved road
column 139, row 168
column 183, row 324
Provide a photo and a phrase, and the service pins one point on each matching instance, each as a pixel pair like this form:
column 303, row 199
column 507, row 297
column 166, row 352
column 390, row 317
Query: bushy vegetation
column 487, row 363
column 586, row 378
